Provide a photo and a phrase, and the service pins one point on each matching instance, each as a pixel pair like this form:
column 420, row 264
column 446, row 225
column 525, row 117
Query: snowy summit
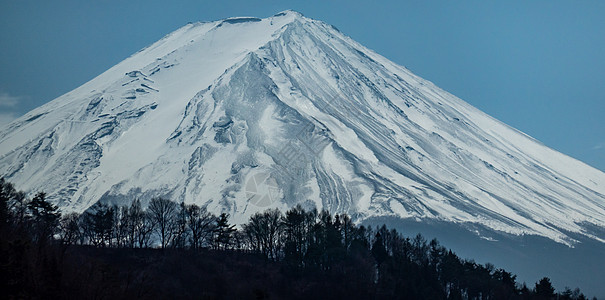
column 245, row 114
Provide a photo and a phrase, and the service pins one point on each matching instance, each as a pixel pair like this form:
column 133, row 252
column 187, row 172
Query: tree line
column 304, row 245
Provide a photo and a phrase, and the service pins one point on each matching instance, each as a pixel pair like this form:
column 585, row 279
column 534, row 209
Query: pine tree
column 223, row 232
column 378, row 249
column 544, row 289
column 45, row 217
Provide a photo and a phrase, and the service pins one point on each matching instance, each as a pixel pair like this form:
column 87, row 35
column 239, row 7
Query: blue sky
column 538, row 66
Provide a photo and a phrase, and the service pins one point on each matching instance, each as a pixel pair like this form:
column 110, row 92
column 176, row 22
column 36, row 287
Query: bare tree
column 13, row 205
column 264, row 232
column 163, row 214
column 201, row 223
column 138, row 226
column 70, row 228
column 121, row 226
column 97, row 224
column 144, row 230
column 7, row 193
column 181, row 230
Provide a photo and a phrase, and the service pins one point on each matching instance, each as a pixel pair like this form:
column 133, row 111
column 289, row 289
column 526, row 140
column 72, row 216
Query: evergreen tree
column 347, row 229
column 378, row 249
column 45, row 217
column 544, row 289
column 223, row 232
column 297, row 229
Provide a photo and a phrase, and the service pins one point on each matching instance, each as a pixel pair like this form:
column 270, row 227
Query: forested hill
column 170, row 250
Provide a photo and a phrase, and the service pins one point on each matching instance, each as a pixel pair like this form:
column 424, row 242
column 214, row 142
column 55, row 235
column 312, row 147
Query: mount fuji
column 245, row 114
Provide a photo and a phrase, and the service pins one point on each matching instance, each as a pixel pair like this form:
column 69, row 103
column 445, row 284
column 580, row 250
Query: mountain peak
column 289, row 12
column 245, row 114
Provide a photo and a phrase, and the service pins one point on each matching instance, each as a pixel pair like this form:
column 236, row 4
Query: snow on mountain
column 245, row 114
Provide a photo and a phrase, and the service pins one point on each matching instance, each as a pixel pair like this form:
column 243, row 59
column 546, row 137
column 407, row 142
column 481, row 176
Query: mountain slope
column 244, row 114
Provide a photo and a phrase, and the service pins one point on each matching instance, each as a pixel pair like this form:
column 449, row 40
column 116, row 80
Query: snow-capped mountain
column 245, row 114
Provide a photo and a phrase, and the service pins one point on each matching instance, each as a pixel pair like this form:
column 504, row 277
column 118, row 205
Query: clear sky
column 538, row 66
